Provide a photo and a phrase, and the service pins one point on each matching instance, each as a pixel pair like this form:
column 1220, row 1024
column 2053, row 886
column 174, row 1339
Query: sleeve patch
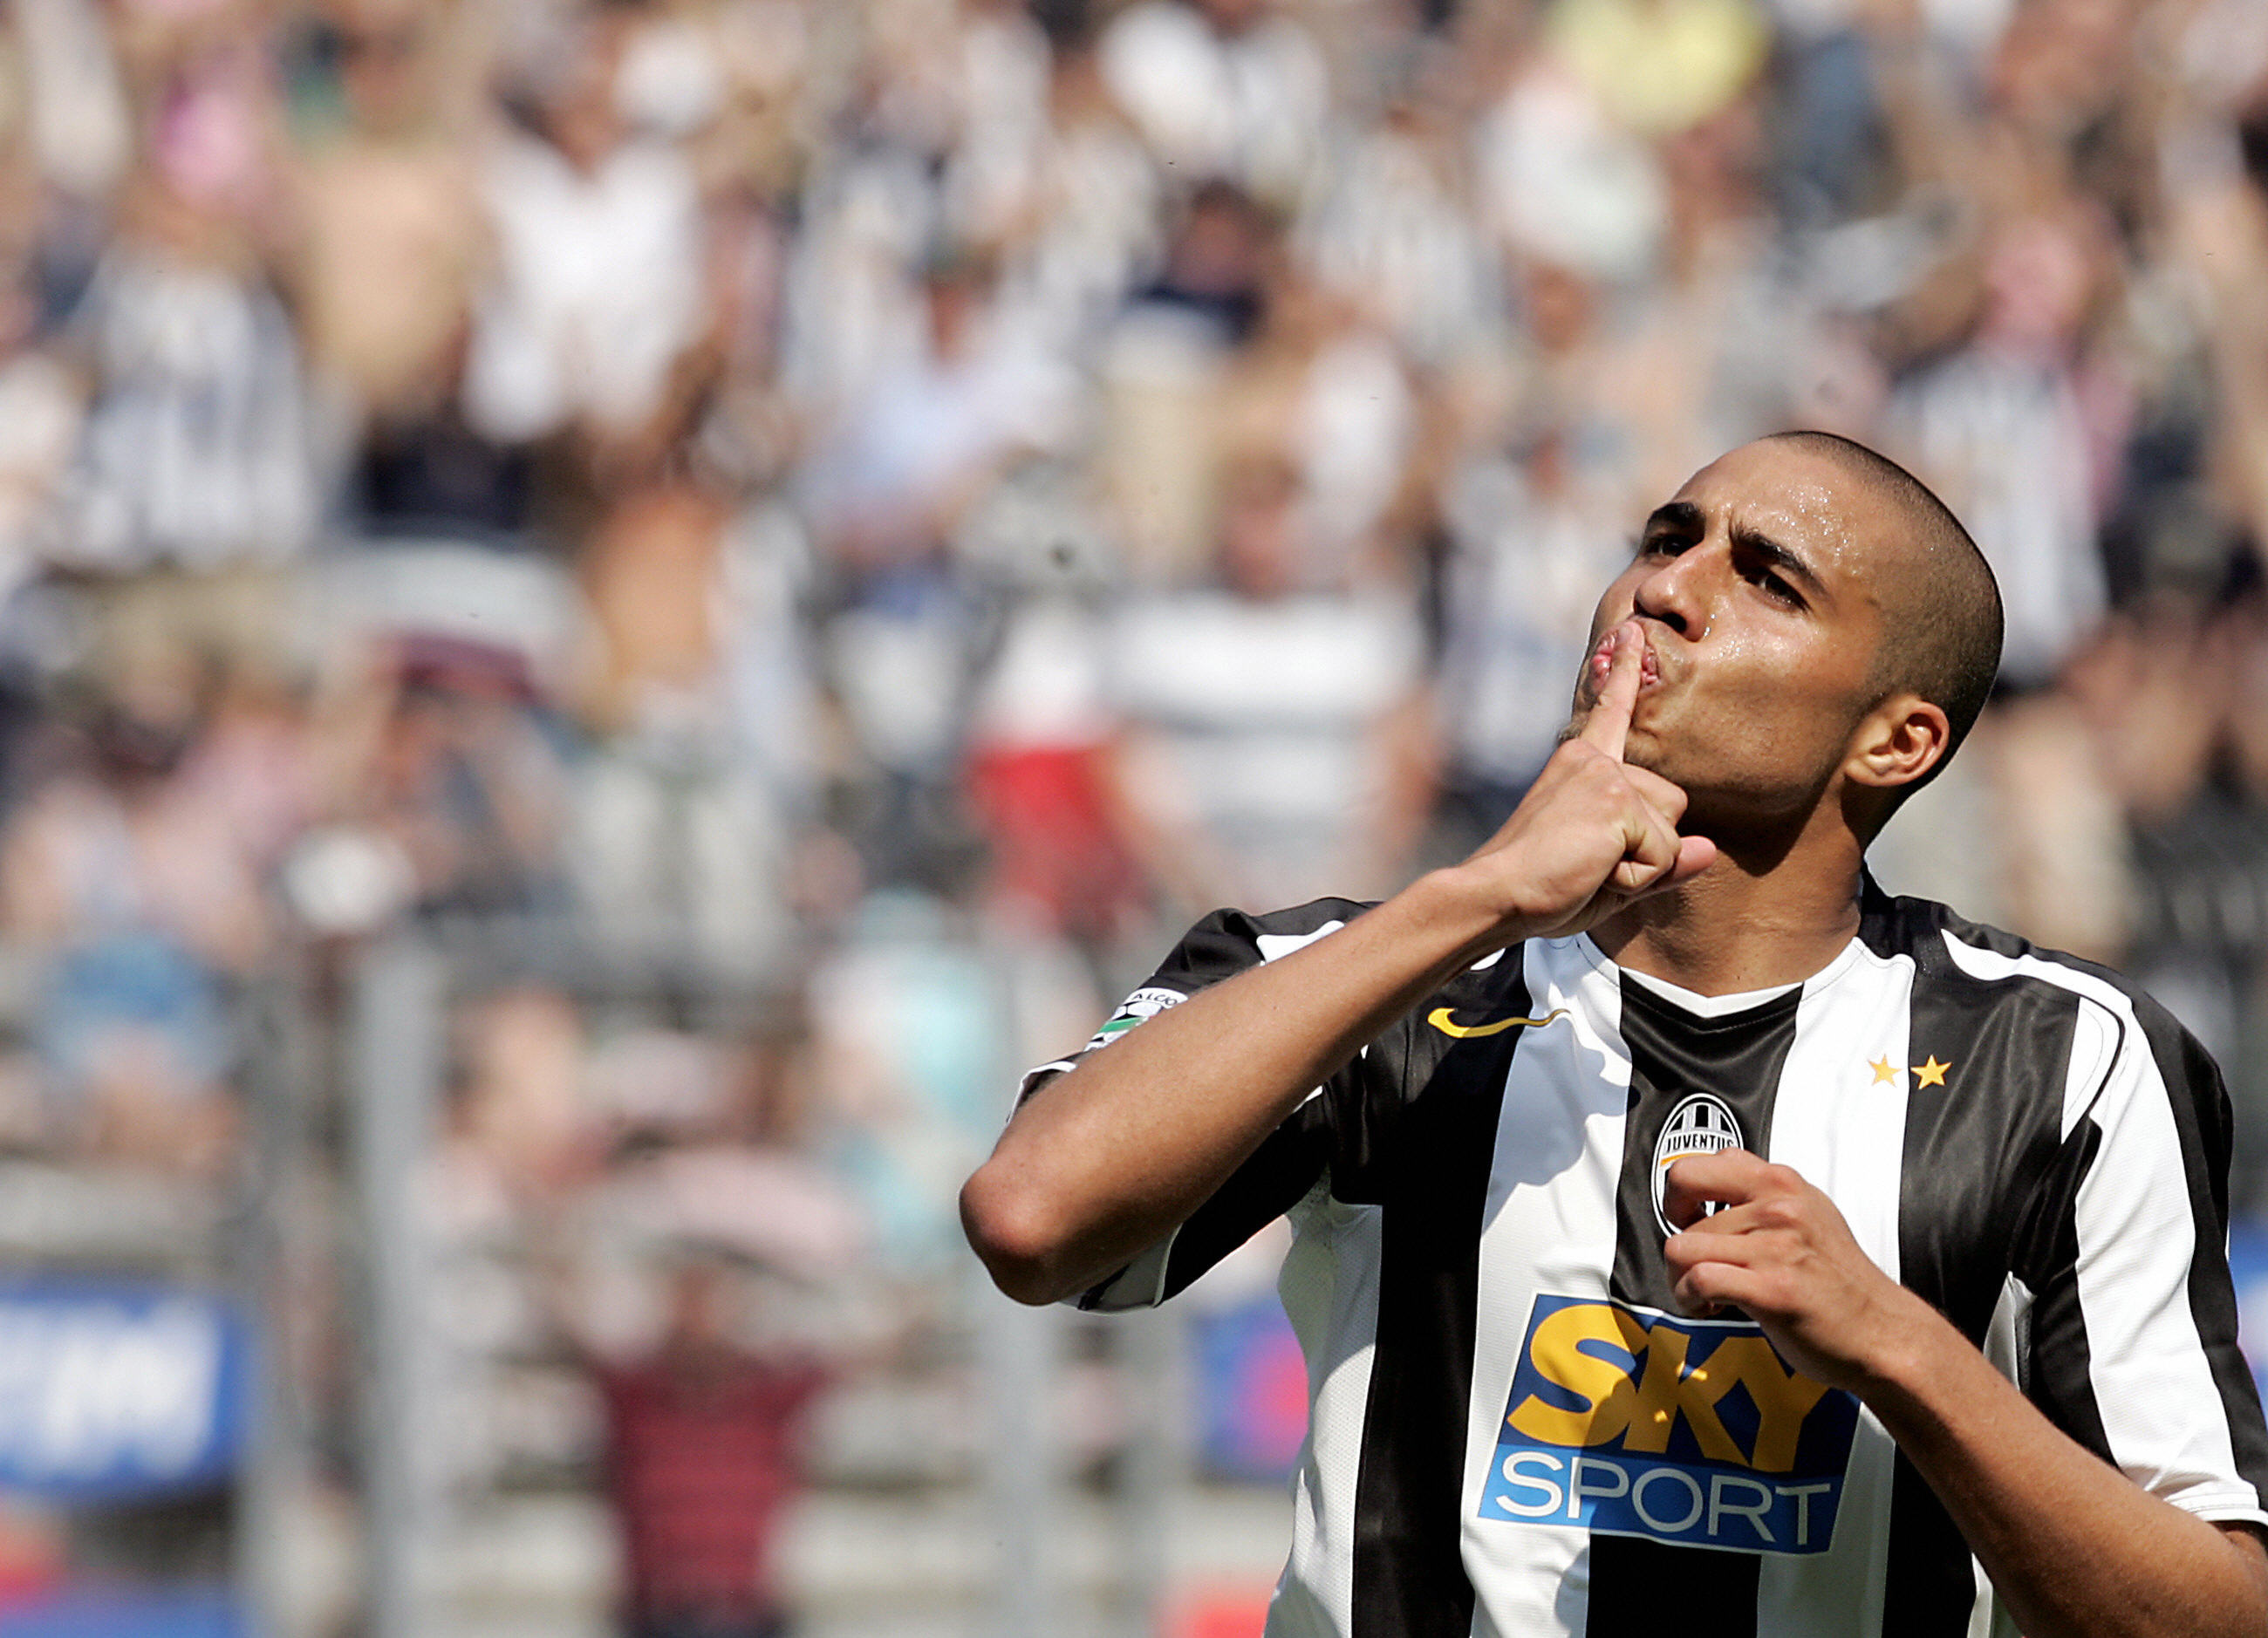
column 1143, row 1003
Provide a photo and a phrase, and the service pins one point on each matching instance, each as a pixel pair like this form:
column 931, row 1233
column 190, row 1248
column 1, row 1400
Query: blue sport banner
column 113, row 1391
column 2248, row 1265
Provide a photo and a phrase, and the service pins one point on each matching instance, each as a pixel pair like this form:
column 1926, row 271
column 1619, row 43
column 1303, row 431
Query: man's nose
column 1676, row 593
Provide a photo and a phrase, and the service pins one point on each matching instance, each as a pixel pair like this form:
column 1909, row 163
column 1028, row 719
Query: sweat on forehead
column 1940, row 605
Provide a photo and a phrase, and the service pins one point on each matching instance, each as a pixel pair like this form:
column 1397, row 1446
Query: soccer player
column 1690, row 1237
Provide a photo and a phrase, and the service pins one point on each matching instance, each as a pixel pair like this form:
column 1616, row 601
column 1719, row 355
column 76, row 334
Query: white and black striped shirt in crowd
column 1513, row 1430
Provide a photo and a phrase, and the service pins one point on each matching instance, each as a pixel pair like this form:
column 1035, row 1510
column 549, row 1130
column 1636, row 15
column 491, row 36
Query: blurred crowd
column 819, row 535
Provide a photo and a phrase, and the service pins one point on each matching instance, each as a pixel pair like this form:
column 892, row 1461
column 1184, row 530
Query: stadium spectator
column 726, row 500
column 700, row 1464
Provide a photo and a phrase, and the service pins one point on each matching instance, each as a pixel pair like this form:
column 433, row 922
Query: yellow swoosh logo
column 1440, row 1020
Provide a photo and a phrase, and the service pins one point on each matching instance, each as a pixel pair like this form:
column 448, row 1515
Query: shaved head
column 1940, row 606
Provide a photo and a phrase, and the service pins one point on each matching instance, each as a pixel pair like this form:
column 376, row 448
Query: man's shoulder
column 1947, row 947
column 1242, row 936
column 1233, row 938
column 1312, row 919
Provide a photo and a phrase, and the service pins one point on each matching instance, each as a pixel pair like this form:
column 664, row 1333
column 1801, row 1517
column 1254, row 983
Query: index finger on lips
column 1608, row 726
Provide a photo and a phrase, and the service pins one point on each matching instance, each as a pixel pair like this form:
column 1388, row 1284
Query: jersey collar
column 1700, row 1006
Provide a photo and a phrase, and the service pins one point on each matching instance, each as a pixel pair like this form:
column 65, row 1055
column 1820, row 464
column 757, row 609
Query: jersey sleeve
column 1290, row 1161
column 2131, row 1347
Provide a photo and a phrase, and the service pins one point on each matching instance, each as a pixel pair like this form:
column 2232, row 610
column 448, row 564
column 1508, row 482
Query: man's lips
column 1649, row 667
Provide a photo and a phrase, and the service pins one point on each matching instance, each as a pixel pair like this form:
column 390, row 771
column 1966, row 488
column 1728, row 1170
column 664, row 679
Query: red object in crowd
column 702, row 1463
column 1219, row 1609
column 1056, row 843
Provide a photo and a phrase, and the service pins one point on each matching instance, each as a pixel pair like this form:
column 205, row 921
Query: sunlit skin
column 1705, row 819
column 1752, row 588
column 1755, row 593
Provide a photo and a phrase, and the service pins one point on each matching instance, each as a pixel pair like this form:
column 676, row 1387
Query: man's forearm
column 1113, row 1155
column 2074, row 1548
column 1117, row 1153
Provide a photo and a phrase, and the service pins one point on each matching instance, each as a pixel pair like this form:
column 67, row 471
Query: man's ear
column 1899, row 742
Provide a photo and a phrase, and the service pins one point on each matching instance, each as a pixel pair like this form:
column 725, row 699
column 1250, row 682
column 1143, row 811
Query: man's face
column 1755, row 588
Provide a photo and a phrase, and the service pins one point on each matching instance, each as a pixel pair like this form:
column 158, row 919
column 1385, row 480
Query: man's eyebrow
column 1673, row 515
column 1750, row 538
column 1686, row 517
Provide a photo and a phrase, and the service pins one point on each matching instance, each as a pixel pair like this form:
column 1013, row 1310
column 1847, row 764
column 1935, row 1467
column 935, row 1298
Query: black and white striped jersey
column 1513, row 1430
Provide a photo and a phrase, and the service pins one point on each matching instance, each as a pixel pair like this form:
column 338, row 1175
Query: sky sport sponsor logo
column 1143, row 1003
column 1688, row 1431
column 1700, row 1125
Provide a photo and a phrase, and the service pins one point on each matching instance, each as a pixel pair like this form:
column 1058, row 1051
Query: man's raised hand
column 1593, row 833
